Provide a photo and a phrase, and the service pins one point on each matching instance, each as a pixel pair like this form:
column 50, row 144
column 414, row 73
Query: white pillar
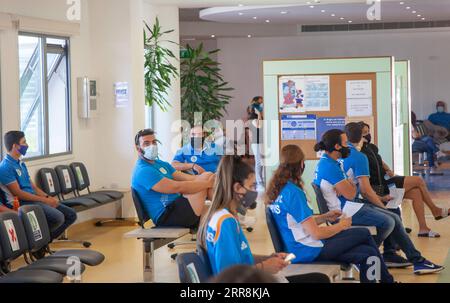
column 164, row 121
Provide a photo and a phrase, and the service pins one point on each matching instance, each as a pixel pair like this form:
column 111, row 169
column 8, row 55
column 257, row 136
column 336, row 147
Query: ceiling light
column 333, row 15
column 240, row 5
column 414, row 12
column 267, row 21
column 401, row 3
column 323, row 11
column 283, row 13
column 249, row 36
column 213, row 36
column 423, row 18
column 419, row 15
column 342, row 18
column 309, row 2
column 311, row 6
column 408, row 7
column 240, row 14
column 350, row 21
column 255, row 17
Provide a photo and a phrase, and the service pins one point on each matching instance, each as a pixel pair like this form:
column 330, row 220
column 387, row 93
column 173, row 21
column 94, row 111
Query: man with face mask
column 441, row 117
column 198, row 156
column 16, row 182
column 171, row 198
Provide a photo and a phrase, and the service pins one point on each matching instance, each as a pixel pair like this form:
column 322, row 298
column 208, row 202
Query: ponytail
column 319, row 146
column 329, row 140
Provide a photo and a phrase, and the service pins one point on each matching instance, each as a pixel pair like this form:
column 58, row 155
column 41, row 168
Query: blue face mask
column 23, row 149
column 151, row 152
column 440, row 109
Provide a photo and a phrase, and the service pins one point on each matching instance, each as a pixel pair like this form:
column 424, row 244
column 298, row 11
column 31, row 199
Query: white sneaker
column 246, row 221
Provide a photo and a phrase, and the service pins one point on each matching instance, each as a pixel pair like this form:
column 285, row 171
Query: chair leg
column 64, row 239
column 148, row 261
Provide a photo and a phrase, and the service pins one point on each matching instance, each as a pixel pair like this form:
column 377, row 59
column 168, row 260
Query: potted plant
column 159, row 71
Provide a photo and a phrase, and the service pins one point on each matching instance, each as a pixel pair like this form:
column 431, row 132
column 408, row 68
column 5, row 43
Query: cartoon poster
column 304, row 93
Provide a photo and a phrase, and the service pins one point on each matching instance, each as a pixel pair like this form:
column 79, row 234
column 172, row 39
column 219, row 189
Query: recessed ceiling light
column 323, row 11
column 308, row 2
column 401, row 3
column 240, row 14
column 240, row 5
column 333, row 15
column 342, row 18
column 350, row 21
column 249, row 36
column 267, row 21
column 408, row 7
column 423, row 18
column 255, row 17
column 283, row 13
column 311, row 6
column 213, row 36
column 414, row 12
column 419, row 15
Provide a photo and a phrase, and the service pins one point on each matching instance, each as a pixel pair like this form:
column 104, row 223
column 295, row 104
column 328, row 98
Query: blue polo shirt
column 441, row 119
column 356, row 165
column 226, row 243
column 207, row 158
column 145, row 176
column 290, row 210
column 12, row 170
column 329, row 173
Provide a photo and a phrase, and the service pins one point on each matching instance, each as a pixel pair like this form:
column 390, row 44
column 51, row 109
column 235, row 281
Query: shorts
column 399, row 181
column 179, row 214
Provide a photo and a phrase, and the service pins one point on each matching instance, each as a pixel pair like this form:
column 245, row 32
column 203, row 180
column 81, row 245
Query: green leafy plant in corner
column 203, row 88
column 159, row 71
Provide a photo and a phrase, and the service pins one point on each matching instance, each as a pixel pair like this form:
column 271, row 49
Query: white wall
column 429, row 52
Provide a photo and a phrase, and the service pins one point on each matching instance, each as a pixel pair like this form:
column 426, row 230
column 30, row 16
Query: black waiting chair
column 38, row 234
column 14, row 243
column 48, row 181
column 193, row 267
column 83, row 183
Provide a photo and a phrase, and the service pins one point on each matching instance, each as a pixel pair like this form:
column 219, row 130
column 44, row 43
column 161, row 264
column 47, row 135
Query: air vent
column 374, row 26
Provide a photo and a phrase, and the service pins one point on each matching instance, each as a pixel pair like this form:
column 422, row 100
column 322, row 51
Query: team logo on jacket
column 194, row 159
column 163, row 171
column 19, row 172
column 244, row 246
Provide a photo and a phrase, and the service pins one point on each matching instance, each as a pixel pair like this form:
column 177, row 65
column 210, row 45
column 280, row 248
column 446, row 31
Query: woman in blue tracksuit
column 302, row 232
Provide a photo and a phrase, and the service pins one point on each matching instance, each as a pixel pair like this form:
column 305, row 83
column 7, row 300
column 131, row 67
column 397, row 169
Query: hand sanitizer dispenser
column 87, row 98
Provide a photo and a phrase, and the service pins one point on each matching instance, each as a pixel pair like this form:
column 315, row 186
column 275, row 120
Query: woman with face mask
column 219, row 233
column 303, row 233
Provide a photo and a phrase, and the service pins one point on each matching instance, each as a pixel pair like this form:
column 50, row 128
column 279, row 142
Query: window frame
column 45, row 104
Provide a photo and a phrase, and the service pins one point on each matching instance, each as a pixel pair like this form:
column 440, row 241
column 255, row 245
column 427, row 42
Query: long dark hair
column 232, row 170
column 290, row 169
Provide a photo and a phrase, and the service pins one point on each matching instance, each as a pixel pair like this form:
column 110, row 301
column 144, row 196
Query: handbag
column 379, row 189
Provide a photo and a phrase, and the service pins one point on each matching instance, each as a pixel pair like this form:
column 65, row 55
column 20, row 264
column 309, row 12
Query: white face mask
column 440, row 109
column 151, row 152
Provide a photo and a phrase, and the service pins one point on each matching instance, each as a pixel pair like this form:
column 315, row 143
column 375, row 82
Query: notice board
column 338, row 88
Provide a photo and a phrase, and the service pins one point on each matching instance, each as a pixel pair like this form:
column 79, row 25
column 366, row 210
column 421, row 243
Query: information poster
column 304, row 93
column 325, row 124
column 359, row 98
column 298, row 127
column 121, row 94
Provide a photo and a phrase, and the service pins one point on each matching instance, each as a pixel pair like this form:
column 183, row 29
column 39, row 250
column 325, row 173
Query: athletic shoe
column 396, row 261
column 426, row 267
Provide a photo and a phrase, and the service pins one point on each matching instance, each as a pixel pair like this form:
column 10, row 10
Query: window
column 45, row 94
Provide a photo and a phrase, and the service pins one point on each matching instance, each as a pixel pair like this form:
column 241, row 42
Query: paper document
column 351, row 208
column 397, row 195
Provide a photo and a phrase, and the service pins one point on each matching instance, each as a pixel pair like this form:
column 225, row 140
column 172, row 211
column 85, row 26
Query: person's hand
column 281, row 255
column 386, row 199
column 273, row 265
column 197, row 168
column 53, row 202
column 333, row 215
column 345, row 223
column 212, row 180
column 390, row 173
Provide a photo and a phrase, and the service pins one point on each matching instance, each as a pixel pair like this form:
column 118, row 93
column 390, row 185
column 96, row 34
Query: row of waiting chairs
column 73, row 180
column 28, row 232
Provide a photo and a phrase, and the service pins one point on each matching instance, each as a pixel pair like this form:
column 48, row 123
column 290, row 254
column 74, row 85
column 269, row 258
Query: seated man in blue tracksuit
column 198, row 156
column 16, row 182
column 338, row 188
column 356, row 166
column 441, row 117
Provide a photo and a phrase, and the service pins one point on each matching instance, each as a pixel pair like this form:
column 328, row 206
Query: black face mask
column 248, row 199
column 368, row 138
column 197, row 142
column 345, row 152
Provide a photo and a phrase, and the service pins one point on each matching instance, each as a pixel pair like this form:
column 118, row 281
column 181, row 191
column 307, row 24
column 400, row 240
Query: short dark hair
column 13, row 137
column 354, row 132
column 256, row 99
column 364, row 124
column 143, row 133
column 329, row 140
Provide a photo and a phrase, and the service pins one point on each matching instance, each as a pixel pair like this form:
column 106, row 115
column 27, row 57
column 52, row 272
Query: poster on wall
column 359, row 98
column 325, row 124
column 359, row 107
column 304, row 93
column 298, row 127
